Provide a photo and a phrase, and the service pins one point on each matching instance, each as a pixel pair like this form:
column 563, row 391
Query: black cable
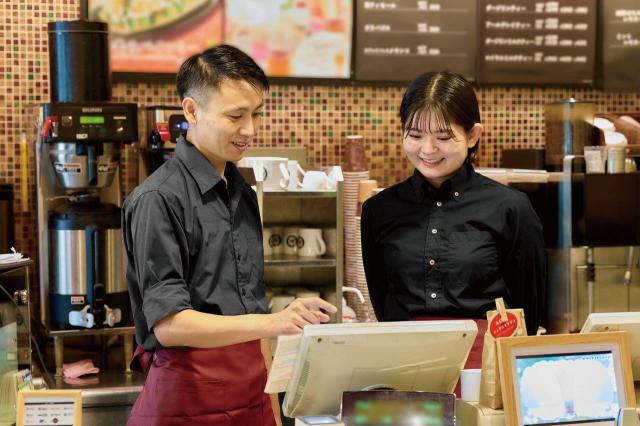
column 35, row 343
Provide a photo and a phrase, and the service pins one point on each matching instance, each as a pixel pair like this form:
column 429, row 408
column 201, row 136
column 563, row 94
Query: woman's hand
column 299, row 313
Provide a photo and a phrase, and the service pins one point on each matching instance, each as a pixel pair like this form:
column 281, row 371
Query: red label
column 499, row 328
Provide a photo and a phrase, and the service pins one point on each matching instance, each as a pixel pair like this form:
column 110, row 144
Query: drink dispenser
column 79, row 197
column 87, row 271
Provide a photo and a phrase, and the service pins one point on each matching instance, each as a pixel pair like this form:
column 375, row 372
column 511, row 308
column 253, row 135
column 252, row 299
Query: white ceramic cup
column 335, row 173
column 272, row 240
column 316, row 180
column 280, row 302
column 470, row 384
column 311, row 243
column 291, row 236
column 271, row 170
column 294, row 171
column 330, row 238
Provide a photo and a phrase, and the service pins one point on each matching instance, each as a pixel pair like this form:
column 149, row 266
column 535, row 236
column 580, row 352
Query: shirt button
column 434, row 231
column 432, row 262
column 456, row 194
column 439, row 203
column 433, row 295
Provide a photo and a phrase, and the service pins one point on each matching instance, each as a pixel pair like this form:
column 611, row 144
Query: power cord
column 19, row 317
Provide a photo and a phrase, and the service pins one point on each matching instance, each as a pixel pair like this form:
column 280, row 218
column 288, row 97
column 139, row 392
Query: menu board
column 537, row 42
column 620, row 44
column 401, row 39
column 287, row 38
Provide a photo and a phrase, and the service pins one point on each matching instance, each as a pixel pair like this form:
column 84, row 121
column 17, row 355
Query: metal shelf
column 60, row 335
column 301, row 194
column 305, row 208
column 72, row 332
column 288, row 260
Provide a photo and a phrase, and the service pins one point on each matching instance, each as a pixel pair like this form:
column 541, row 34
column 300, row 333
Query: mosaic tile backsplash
column 317, row 117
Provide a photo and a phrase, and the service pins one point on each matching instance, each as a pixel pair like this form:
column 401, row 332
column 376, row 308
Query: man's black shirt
column 192, row 242
column 449, row 252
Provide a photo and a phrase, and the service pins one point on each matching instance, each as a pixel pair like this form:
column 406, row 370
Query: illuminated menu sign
column 537, row 42
column 398, row 40
column 620, row 44
column 287, row 38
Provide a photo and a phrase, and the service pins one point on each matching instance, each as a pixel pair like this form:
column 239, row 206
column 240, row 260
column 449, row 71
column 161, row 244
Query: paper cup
column 470, row 384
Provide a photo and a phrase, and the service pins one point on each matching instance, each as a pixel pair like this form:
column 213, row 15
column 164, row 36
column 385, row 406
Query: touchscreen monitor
column 565, row 379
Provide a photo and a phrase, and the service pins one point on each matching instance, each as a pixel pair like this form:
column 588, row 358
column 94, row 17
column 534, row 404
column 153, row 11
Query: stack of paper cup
column 352, row 249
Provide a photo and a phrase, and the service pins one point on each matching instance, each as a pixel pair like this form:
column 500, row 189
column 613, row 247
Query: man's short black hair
column 208, row 69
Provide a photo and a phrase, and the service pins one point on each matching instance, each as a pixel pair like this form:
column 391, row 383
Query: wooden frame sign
column 565, row 378
column 49, row 408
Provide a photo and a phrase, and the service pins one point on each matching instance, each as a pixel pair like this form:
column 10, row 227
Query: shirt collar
column 202, row 171
column 455, row 186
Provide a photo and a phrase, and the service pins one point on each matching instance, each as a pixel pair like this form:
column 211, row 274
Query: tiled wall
column 313, row 116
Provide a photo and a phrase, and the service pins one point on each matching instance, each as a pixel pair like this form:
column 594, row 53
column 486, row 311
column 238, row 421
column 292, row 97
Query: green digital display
column 91, row 119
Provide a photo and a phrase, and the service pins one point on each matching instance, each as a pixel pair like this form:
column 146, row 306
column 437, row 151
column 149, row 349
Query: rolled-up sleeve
column 158, row 251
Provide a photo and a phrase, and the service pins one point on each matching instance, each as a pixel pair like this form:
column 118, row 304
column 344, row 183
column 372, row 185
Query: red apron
column 474, row 360
column 218, row 386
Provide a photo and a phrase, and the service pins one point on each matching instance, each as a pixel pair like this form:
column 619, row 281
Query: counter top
column 105, row 388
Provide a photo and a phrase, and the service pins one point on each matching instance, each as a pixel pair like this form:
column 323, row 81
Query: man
column 193, row 238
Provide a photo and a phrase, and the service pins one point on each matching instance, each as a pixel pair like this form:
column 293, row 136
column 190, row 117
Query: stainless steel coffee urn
column 86, row 258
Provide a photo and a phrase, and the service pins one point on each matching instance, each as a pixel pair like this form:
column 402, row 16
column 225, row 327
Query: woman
column 447, row 241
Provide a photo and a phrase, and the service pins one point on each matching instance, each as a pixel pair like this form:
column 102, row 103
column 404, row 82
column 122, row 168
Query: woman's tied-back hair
column 207, row 70
column 442, row 98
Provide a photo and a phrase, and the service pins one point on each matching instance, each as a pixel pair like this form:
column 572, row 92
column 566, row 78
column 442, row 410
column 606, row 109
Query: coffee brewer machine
column 79, row 197
column 592, row 225
column 82, row 260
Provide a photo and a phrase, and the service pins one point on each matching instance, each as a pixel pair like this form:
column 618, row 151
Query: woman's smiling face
column 436, row 151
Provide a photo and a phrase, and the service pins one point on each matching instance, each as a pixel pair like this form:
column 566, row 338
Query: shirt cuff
column 164, row 298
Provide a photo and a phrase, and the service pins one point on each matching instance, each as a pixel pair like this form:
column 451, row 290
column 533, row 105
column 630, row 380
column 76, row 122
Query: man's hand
column 297, row 315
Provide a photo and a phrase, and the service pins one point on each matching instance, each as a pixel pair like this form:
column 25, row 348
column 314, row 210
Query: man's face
column 223, row 125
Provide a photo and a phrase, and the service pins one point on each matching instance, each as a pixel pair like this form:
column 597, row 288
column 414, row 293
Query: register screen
column 398, row 412
column 567, row 388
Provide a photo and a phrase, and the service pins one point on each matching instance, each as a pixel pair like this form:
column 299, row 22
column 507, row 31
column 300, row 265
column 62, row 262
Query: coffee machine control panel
column 90, row 122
